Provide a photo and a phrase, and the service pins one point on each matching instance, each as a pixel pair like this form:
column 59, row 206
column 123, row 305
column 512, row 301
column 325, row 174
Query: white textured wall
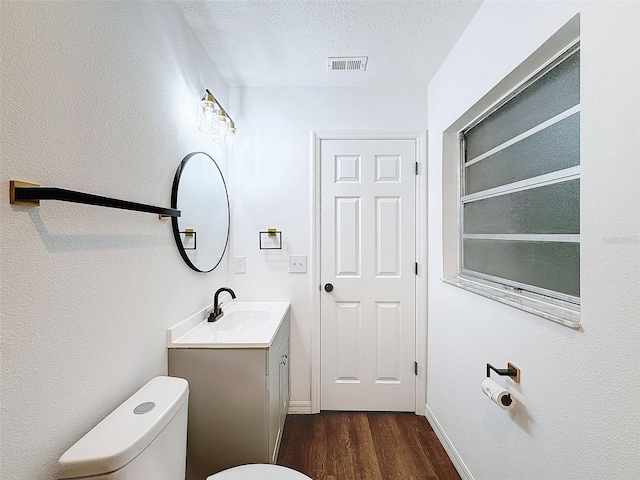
column 272, row 186
column 579, row 412
column 98, row 97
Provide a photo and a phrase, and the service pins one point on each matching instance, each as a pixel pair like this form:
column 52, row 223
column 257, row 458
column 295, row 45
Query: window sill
column 568, row 317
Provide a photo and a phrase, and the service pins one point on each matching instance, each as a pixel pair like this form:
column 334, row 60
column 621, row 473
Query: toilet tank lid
column 126, row 431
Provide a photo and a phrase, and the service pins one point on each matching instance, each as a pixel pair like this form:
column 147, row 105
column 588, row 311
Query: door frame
column 421, row 256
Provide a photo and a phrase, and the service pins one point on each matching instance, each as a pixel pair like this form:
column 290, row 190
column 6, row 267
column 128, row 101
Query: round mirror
column 202, row 230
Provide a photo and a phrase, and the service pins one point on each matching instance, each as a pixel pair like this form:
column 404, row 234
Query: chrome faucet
column 217, row 312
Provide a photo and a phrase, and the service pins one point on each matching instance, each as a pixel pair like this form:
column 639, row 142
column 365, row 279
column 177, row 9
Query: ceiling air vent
column 347, row 63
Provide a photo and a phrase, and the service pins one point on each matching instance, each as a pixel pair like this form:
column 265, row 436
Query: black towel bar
column 23, row 193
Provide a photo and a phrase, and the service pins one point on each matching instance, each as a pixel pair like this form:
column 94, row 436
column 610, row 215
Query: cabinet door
column 284, row 380
column 275, row 407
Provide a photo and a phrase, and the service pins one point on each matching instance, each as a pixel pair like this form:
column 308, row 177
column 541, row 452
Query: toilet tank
column 144, row 438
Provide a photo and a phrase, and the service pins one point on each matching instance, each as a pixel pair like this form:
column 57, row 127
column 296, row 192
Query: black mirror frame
column 174, row 220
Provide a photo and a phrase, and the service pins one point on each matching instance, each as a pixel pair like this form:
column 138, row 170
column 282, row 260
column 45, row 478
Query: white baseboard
column 299, row 407
column 448, row 446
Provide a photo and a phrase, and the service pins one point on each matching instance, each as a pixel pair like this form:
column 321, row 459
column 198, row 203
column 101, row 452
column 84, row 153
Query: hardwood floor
column 364, row 446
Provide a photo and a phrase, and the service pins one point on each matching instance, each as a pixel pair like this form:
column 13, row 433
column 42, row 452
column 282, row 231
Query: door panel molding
column 386, row 173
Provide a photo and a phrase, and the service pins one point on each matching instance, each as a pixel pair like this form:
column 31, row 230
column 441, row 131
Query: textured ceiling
column 287, row 42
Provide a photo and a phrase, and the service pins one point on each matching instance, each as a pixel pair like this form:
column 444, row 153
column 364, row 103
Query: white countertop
column 253, row 325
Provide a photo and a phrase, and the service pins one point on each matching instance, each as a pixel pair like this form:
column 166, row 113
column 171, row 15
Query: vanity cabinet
column 238, row 401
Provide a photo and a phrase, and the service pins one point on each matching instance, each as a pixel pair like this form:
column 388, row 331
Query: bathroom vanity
column 238, row 374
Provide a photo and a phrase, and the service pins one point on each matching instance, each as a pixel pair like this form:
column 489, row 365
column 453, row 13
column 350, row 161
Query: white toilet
column 145, row 438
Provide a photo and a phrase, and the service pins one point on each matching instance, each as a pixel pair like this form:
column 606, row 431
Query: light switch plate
column 239, row 265
column 297, row 264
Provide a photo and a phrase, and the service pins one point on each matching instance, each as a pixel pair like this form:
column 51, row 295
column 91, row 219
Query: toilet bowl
column 146, row 438
column 258, row 472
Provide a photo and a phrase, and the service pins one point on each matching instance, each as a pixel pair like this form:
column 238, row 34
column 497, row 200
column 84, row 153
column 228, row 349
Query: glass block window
column 520, row 198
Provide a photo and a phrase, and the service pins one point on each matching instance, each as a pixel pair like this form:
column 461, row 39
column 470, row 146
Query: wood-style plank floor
column 364, row 446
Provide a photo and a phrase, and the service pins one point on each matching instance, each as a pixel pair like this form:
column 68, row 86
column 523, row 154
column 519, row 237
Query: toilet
column 145, row 438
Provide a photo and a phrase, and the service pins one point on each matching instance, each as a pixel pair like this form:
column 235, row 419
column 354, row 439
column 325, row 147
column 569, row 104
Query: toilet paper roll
column 498, row 394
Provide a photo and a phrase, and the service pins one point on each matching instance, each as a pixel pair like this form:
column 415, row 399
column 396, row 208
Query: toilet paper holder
column 511, row 371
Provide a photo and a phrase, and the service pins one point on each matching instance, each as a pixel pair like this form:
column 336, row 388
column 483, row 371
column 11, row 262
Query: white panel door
column 368, row 257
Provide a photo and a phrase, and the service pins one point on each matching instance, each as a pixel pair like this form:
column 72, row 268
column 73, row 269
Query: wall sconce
column 215, row 121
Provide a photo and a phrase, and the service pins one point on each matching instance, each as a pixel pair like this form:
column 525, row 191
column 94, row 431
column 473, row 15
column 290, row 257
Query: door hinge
column 415, row 368
column 416, row 168
column 416, row 268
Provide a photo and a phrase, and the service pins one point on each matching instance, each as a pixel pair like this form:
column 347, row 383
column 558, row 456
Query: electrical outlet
column 297, row 264
column 239, row 265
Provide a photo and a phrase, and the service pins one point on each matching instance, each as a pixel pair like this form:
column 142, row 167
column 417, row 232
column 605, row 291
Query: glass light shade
column 223, row 124
column 230, row 139
column 208, row 117
column 231, row 136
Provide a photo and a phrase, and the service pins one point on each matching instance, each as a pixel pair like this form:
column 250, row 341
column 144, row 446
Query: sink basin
column 243, row 325
column 242, row 320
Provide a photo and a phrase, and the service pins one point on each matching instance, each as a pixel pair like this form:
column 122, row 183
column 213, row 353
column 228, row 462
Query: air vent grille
column 347, row 63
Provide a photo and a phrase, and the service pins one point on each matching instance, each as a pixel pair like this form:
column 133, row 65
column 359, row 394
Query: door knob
column 328, row 287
